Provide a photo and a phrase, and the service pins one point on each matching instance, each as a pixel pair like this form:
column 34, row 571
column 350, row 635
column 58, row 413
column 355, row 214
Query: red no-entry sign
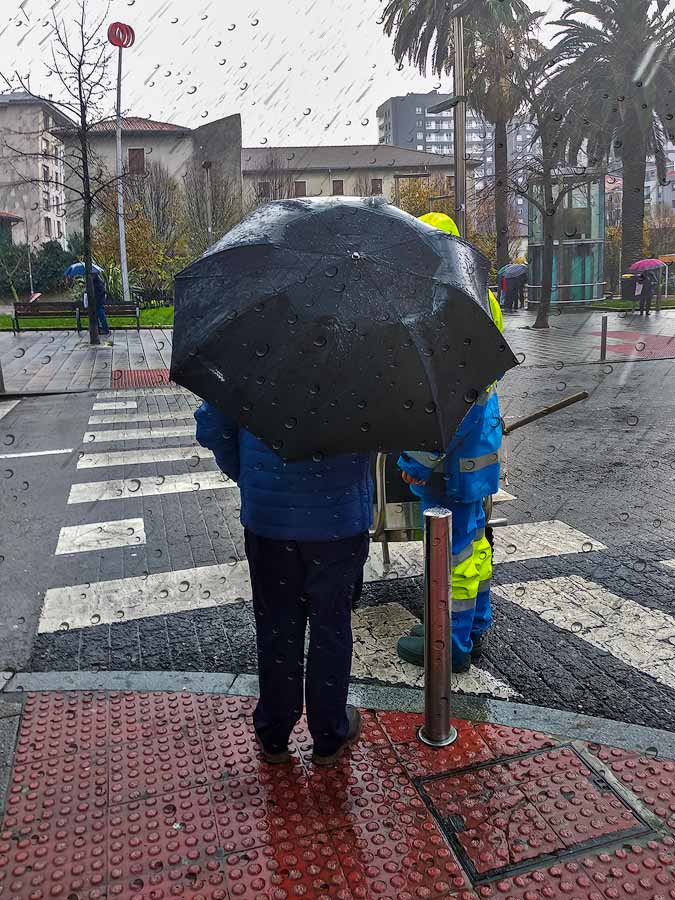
column 121, row 35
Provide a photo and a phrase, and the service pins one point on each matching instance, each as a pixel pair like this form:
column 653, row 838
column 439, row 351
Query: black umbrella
column 332, row 325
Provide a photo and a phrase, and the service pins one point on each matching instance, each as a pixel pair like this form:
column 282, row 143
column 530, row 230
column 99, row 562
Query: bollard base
column 445, row 742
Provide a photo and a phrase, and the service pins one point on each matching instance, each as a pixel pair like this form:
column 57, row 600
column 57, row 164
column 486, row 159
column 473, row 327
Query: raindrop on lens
column 587, row 547
column 632, row 420
column 520, row 357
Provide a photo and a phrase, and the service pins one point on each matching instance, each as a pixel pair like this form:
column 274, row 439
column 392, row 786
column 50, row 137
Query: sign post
column 120, row 36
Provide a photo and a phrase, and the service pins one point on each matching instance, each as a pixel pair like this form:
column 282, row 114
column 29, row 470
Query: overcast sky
column 298, row 71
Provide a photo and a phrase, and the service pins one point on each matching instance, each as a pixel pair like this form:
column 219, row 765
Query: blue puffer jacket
column 301, row 501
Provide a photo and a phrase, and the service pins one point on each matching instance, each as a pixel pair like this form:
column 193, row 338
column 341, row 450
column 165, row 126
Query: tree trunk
column 92, row 305
column 633, row 200
column 547, row 256
column 501, row 194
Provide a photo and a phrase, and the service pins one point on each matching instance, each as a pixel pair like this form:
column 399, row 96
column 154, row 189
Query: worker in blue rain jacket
column 461, row 479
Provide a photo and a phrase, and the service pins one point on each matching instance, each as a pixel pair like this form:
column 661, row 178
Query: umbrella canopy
column 331, row 325
column 76, row 270
column 643, row 265
column 513, row 270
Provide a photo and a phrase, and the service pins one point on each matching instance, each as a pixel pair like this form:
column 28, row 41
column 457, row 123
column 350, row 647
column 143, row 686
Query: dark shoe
column 273, row 759
column 411, row 650
column 477, row 648
column 353, row 734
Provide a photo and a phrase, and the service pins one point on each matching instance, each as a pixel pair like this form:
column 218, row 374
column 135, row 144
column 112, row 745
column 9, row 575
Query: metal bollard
column 603, row 339
column 437, row 730
column 2, row 380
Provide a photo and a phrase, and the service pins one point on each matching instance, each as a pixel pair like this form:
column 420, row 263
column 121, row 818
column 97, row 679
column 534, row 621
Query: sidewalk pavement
column 164, row 794
column 64, row 360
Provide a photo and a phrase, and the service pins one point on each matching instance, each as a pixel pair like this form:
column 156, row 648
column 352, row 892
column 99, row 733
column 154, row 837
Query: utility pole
column 206, row 166
column 460, row 127
column 120, row 36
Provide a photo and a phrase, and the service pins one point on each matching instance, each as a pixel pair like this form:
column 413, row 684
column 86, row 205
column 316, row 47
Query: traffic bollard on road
column 437, row 730
column 603, row 339
column 2, row 380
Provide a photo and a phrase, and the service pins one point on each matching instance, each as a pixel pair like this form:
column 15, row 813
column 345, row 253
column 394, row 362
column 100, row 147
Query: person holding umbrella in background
column 319, row 330
column 77, row 270
column 647, row 274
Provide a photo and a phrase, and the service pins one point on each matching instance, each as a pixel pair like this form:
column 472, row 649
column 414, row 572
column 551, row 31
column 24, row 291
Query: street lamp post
column 206, row 165
column 121, row 36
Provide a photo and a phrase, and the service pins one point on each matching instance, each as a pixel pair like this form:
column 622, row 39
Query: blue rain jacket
column 301, row 501
column 469, row 469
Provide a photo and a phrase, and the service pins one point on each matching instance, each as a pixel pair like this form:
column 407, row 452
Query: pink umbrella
column 644, row 265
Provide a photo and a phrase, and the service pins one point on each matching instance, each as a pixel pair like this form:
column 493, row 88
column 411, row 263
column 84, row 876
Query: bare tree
column 79, row 66
column 276, row 181
column 159, row 197
column 225, row 206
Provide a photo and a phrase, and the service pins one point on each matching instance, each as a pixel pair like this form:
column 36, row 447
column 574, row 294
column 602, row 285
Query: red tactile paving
column 151, row 796
column 135, row 378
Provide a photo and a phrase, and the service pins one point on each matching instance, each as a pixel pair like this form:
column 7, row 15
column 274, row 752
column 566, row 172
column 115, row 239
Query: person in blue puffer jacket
column 306, row 537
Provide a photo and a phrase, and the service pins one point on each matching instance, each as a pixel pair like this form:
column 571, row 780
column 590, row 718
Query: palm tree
column 617, row 91
column 492, row 34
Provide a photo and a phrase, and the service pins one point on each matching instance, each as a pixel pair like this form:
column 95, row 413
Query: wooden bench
column 112, row 310
column 41, row 310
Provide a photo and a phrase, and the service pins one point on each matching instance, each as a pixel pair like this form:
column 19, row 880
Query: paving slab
column 165, row 793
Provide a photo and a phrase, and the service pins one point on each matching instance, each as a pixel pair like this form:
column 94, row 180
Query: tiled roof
column 136, row 124
column 361, row 156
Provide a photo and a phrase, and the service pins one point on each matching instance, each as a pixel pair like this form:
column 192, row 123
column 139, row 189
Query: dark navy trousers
column 296, row 583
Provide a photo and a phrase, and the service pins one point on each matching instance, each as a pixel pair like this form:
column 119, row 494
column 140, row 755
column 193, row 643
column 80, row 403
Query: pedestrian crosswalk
column 100, row 536
column 175, row 465
column 154, row 486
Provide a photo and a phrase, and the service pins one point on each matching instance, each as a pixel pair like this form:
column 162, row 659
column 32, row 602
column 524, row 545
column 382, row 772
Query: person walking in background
column 306, row 537
column 644, row 291
column 101, row 298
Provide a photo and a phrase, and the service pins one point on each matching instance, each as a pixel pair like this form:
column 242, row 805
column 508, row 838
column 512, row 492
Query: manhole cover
column 506, row 818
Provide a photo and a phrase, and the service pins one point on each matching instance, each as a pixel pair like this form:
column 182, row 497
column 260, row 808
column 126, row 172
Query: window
column 45, row 174
column 375, row 185
column 420, row 135
column 45, row 199
column 264, row 190
column 45, row 147
column 520, row 201
column 418, row 110
column 59, row 230
column 420, row 123
column 338, row 187
column 48, row 226
column 46, row 121
column 421, row 147
column 300, row 188
column 136, row 161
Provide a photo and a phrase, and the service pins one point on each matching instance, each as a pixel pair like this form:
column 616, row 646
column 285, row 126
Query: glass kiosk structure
column 579, row 237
